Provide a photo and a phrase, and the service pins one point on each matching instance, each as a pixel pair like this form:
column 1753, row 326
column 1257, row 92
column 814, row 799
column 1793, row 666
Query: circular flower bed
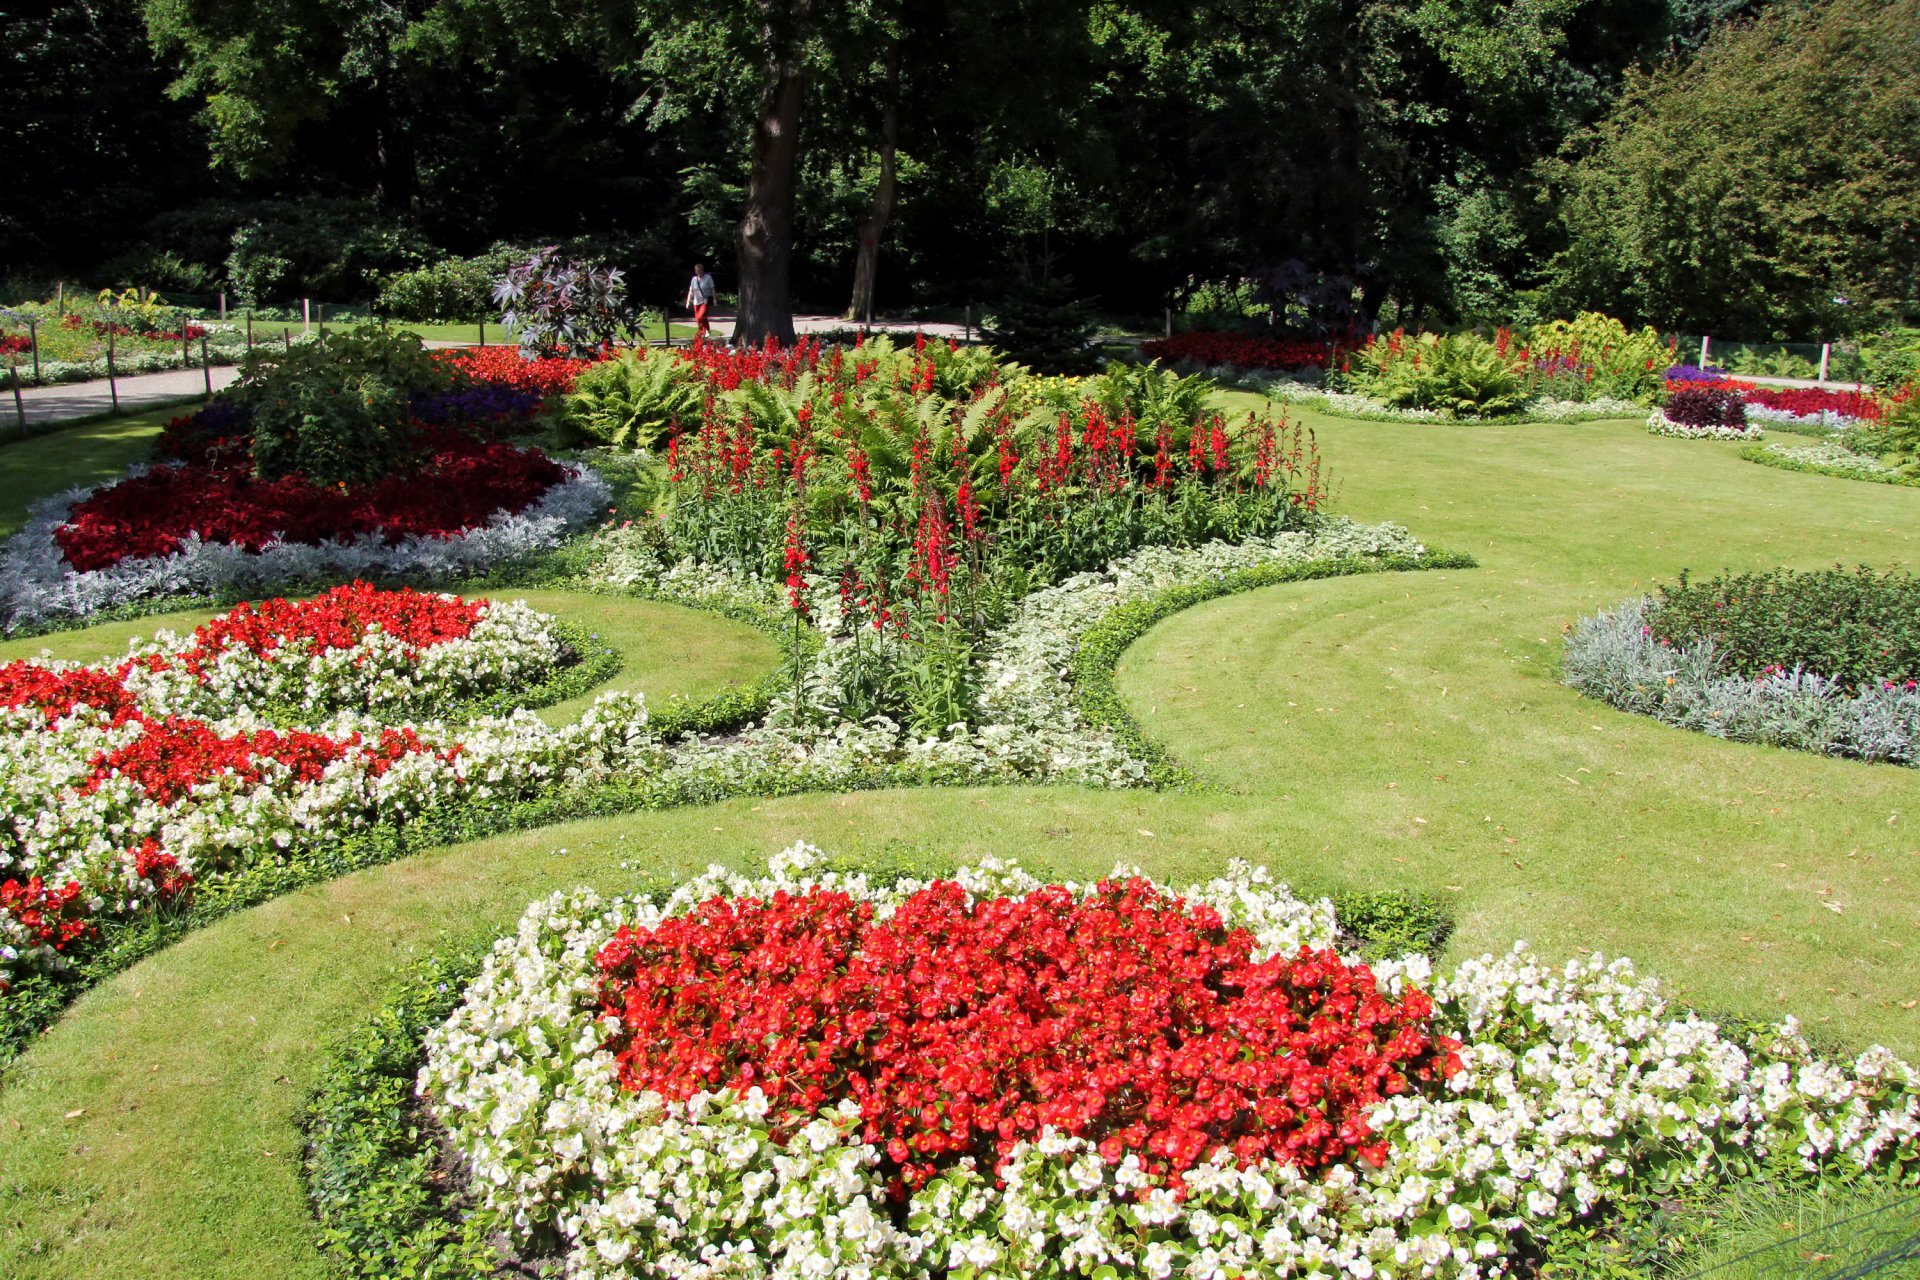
column 1826, row 661
column 123, row 783
column 460, row 483
column 810, row 1074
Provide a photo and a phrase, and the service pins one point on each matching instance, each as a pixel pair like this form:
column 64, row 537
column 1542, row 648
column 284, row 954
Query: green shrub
column 1769, row 362
column 1892, row 358
column 1043, row 326
column 338, row 409
column 1857, row 627
column 635, row 401
column 1594, row 356
column 452, row 290
column 1460, row 375
column 1384, row 923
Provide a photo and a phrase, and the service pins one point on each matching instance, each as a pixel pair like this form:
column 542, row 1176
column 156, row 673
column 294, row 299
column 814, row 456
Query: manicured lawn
column 1393, row 729
column 85, row 454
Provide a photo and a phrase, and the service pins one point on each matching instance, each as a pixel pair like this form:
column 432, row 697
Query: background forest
column 1749, row 168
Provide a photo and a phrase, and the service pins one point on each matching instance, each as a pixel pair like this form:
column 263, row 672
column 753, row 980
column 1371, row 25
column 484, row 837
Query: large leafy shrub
column 1595, row 355
column 556, row 304
column 1461, row 375
column 1764, row 187
column 338, row 410
column 458, row 290
column 635, row 402
column 1860, row 628
column 327, row 249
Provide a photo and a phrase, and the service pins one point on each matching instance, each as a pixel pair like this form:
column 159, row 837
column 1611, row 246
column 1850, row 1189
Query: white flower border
column 37, row 583
column 1831, row 456
column 1659, row 424
column 1614, row 657
column 1827, row 419
column 1030, row 729
column 1575, row 1080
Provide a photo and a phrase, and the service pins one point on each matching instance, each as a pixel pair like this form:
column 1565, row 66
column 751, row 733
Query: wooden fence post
column 1826, row 352
column 223, row 306
column 483, row 332
column 249, row 330
column 113, row 384
column 206, row 366
column 1169, row 322
column 306, row 316
column 286, row 340
column 33, row 338
column 1703, row 351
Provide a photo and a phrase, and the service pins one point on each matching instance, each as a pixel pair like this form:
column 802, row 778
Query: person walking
column 700, row 292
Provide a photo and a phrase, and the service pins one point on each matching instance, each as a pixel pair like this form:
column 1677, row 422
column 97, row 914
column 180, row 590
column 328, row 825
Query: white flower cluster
column 64, row 822
column 1659, row 424
column 1830, row 455
column 1579, row 1085
column 511, row 646
column 37, row 583
column 1828, row 419
column 1028, row 725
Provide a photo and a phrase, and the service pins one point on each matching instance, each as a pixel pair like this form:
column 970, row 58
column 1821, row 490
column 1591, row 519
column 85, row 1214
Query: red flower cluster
column 1808, row 401
column 55, row 918
column 460, row 484
column 175, row 755
column 1243, row 351
column 340, row 619
column 56, row 693
column 548, row 375
column 1131, row 1018
column 14, row 346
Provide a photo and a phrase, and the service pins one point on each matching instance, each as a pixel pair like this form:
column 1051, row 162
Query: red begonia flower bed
column 461, row 482
column 1129, row 1017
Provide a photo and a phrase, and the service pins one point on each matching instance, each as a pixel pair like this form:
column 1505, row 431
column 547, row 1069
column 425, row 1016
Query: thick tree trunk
column 866, row 261
column 766, row 224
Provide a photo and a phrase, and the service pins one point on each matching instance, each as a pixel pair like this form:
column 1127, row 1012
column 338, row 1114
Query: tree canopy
column 1451, row 159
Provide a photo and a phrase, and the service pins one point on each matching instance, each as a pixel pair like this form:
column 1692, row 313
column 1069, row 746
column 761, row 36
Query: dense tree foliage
column 1770, row 187
column 1348, row 155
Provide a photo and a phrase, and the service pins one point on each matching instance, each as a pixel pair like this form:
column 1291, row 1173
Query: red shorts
column 700, row 316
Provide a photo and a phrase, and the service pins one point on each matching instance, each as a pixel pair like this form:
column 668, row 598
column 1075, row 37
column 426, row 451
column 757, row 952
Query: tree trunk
column 766, row 224
column 866, row 261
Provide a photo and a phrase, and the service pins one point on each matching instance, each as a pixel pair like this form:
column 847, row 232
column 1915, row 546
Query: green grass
column 89, row 453
column 1390, row 730
column 1770, row 1233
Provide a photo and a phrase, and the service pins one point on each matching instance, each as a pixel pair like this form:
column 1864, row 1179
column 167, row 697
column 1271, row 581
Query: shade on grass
column 91, row 453
column 1396, row 729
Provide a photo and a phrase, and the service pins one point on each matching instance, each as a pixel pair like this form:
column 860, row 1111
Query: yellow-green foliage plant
column 1595, row 355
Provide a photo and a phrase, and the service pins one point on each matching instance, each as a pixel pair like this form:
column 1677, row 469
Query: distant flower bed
column 418, row 484
column 1241, row 351
column 461, row 482
column 266, row 731
column 1826, row 661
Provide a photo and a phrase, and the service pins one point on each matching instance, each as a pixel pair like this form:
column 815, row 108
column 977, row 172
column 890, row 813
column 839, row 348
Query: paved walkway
column 65, row 402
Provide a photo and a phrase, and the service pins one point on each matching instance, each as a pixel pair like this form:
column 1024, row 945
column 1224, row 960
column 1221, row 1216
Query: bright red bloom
column 1131, row 1018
